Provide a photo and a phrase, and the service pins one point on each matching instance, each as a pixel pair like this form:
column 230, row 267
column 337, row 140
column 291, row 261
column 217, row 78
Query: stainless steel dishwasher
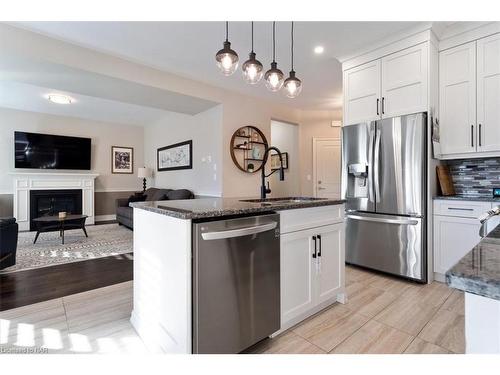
column 236, row 283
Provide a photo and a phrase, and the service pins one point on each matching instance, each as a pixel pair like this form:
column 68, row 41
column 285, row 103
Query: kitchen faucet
column 263, row 189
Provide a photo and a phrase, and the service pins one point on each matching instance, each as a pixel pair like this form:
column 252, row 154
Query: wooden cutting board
column 445, row 180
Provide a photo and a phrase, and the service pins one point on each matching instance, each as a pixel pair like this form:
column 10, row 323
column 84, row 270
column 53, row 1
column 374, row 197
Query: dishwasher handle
column 239, row 232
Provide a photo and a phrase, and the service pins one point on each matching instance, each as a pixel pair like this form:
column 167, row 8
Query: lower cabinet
column 312, row 271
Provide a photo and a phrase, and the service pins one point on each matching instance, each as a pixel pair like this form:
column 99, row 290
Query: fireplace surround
column 51, row 202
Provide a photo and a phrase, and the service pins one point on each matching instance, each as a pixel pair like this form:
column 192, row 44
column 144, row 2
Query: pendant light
column 252, row 68
column 227, row 59
column 274, row 77
column 293, row 85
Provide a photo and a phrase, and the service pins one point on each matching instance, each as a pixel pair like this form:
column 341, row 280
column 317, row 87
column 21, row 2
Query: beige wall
column 103, row 135
column 314, row 124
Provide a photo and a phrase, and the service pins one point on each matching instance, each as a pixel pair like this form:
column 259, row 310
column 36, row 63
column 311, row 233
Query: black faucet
column 263, row 189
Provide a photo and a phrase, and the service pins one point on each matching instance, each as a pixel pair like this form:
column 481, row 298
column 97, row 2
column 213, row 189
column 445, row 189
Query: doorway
column 326, row 167
column 285, row 136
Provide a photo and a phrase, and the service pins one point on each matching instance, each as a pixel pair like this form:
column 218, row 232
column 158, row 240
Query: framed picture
column 275, row 160
column 176, row 156
column 122, row 160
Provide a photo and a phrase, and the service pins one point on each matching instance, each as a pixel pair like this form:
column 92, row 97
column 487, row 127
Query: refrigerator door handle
column 384, row 220
column 371, row 195
column 376, row 162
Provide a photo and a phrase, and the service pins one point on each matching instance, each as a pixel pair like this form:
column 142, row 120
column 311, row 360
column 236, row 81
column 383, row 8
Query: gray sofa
column 125, row 213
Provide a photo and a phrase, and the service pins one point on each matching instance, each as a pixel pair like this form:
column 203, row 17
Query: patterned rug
column 103, row 241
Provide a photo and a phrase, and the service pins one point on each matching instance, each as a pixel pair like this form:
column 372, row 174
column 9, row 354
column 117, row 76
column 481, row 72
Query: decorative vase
column 256, row 153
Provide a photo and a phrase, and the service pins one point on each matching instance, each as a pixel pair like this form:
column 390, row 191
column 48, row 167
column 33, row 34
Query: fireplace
column 51, row 202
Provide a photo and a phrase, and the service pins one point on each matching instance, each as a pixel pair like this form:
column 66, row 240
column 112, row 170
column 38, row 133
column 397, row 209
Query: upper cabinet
column 469, row 99
column 394, row 85
column 457, row 99
column 488, row 94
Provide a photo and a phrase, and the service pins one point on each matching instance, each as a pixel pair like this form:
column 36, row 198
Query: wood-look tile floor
column 383, row 315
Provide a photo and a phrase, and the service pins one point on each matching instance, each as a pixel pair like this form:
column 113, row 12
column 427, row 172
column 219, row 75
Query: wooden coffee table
column 54, row 223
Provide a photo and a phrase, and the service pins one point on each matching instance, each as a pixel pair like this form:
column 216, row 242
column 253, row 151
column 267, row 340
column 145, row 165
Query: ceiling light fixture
column 252, row 68
column 293, row 85
column 274, row 77
column 60, row 99
column 227, row 59
column 318, row 50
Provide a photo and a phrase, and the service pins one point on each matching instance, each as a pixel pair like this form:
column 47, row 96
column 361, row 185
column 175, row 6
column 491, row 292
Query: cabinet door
column 405, row 81
column 331, row 261
column 362, row 93
column 457, row 99
column 298, row 273
column 488, row 94
column 453, row 238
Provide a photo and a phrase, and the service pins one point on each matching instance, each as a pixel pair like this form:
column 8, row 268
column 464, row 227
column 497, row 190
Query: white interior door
column 362, row 93
column 488, row 93
column 326, row 167
column 404, row 81
column 457, row 99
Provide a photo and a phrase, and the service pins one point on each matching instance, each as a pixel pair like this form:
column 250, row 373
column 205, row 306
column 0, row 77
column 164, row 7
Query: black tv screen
column 45, row 151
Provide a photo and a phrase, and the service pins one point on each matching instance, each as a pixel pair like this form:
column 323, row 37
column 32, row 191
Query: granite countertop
column 216, row 207
column 474, row 198
column 478, row 272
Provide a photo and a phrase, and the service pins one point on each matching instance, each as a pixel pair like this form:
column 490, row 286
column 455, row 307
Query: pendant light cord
column 227, row 31
column 292, row 45
column 252, row 37
column 274, row 41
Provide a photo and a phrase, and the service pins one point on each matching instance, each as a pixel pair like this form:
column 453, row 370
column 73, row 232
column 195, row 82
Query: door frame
column 315, row 141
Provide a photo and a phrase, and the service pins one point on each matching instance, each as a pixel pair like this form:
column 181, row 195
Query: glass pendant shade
column 293, row 86
column 274, row 78
column 227, row 59
column 252, row 70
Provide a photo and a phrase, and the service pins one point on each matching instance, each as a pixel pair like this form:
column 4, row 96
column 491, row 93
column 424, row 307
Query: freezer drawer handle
column 460, row 209
column 239, row 232
column 384, row 221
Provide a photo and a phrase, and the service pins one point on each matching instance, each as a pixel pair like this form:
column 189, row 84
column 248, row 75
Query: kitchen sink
column 284, row 200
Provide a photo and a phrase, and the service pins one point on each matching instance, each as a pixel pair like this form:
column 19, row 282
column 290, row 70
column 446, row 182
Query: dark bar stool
column 8, row 241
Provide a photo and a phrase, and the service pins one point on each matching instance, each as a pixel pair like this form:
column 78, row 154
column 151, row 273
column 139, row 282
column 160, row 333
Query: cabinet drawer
column 460, row 208
column 305, row 218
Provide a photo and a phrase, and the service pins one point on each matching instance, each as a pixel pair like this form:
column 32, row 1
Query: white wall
column 285, row 136
column 103, row 135
column 205, row 130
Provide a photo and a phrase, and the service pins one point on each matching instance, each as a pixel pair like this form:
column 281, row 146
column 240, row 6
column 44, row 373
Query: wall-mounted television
column 46, row 151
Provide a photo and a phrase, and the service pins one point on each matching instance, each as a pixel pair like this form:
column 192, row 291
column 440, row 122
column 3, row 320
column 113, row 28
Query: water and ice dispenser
column 357, row 181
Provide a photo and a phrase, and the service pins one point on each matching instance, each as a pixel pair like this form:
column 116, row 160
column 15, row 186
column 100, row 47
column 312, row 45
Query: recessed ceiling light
column 319, row 50
column 60, row 99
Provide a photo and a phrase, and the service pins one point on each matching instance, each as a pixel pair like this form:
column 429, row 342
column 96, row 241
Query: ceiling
column 188, row 49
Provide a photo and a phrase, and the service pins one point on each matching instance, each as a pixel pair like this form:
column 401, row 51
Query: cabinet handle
column 480, row 135
column 472, row 135
column 315, row 247
column 378, row 101
column 319, row 251
column 383, row 105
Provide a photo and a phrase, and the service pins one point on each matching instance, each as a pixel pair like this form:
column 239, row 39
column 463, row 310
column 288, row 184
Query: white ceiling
column 188, row 49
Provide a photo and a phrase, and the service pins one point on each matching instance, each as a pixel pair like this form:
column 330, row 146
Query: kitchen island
column 478, row 275
column 310, row 269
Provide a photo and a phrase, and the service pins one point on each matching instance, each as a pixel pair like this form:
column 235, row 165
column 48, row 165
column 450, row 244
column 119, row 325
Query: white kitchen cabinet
column 405, row 81
column 330, row 242
column 362, row 93
column 488, row 94
column 394, row 85
column 312, row 262
column 457, row 99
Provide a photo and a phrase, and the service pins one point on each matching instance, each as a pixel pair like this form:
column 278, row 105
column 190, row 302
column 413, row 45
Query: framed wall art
column 122, row 160
column 176, row 156
column 275, row 160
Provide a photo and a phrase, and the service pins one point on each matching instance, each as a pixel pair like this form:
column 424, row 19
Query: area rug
column 103, row 241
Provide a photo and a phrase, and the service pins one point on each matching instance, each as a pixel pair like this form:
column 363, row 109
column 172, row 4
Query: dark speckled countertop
column 217, row 207
column 478, row 272
column 474, row 198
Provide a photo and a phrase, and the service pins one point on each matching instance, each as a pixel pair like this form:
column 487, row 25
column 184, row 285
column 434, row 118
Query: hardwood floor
column 382, row 315
column 31, row 286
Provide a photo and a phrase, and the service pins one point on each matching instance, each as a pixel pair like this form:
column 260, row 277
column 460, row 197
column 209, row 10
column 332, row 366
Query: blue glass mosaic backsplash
column 475, row 176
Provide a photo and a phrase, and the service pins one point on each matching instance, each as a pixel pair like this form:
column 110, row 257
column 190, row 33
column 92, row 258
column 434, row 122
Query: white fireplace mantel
column 24, row 182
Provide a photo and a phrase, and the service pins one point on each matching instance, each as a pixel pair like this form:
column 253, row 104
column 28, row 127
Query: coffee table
column 55, row 223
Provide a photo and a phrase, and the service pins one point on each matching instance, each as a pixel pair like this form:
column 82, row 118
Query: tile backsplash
column 475, row 176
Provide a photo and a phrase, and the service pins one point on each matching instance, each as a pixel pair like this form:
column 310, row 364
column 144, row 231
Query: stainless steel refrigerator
column 384, row 173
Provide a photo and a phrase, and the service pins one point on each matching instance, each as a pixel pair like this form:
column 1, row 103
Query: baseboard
column 104, row 218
